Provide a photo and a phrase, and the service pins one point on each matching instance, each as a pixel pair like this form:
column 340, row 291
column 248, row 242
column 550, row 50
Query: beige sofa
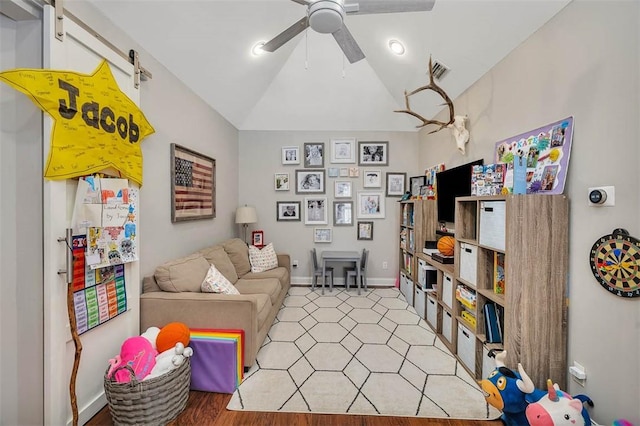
column 173, row 294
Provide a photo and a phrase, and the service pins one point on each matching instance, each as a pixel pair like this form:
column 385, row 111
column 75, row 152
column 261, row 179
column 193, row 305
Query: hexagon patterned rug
column 346, row 354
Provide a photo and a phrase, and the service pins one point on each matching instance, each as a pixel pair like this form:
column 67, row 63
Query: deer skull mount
column 460, row 132
column 456, row 122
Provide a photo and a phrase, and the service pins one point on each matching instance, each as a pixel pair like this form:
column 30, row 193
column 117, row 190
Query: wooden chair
column 317, row 272
column 351, row 272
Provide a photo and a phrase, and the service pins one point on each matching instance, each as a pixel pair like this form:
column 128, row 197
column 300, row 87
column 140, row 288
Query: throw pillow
column 215, row 282
column 263, row 260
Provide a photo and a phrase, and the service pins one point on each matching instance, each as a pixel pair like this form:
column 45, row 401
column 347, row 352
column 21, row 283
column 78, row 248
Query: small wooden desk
column 341, row 256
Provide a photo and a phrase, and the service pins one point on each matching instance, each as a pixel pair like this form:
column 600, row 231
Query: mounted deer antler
column 431, row 86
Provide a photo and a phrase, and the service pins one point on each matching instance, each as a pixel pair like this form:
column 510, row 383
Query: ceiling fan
column 327, row 17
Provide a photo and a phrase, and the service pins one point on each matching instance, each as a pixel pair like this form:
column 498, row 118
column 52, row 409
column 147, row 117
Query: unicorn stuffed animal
column 558, row 408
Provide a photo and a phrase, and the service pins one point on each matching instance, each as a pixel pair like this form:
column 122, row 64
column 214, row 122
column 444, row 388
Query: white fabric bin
column 467, row 347
column 447, row 290
column 469, row 263
column 432, row 312
column 419, row 302
column 492, row 224
column 447, row 326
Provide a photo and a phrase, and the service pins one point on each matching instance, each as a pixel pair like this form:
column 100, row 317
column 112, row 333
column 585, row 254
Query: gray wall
column 261, row 158
column 585, row 63
column 21, row 299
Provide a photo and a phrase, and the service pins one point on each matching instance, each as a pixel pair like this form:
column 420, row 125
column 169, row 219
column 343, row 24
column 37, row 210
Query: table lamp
column 246, row 215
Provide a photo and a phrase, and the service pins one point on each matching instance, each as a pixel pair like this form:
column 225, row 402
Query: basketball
column 445, row 245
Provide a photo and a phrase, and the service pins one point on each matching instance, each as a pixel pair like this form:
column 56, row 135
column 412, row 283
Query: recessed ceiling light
column 256, row 50
column 396, row 47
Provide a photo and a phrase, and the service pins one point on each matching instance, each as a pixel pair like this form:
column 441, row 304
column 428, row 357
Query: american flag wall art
column 192, row 185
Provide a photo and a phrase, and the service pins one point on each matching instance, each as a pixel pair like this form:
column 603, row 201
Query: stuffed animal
column 558, row 408
column 171, row 334
column 169, row 360
column 510, row 391
column 151, row 334
column 136, row 352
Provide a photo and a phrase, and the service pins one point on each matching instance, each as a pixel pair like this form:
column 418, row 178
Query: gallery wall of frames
column 340, row 183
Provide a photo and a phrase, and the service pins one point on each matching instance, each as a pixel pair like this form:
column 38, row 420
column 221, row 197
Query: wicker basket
column 155, row 401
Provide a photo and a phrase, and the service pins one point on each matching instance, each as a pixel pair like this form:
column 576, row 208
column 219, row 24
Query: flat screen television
column 452, row 183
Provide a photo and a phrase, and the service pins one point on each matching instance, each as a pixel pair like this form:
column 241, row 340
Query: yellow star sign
column 96, row 125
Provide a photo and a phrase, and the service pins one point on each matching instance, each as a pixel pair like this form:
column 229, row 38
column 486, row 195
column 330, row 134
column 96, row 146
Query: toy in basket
column 153, row 391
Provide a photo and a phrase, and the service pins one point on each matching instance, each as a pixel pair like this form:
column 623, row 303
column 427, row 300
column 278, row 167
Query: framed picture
column 371, row 204
column 424, row 191
column 373, row 153
column 342, row 213
column 342, row 189
column 290, row 155
column 321, row 235
column 310, row 181
column 415, row 183
column 372, row 179
column 288, row 211
column 333, row 171
column 281, row 181
column 315, row 210
column 193, row 185
column 354, row 172
column 314, row 154
column 396, row 182
column 343, row 150
column 257, row 238
column 365, row 230
column 344, row 172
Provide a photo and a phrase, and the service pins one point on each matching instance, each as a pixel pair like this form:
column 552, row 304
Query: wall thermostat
column 602, row 196
column 597, row 196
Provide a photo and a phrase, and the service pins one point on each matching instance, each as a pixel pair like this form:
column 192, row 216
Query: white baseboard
column 339, row 281
column 87, row 412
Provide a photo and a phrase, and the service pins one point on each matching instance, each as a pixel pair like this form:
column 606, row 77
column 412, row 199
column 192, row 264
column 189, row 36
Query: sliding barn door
column 78, row 51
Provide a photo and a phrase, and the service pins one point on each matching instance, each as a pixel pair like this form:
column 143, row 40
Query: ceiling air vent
column 439, row 70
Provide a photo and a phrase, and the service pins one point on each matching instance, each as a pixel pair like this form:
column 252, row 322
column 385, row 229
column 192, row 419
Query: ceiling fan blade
column 286, row 35
column 302, row 2
column 348, row 44
column 364, row 7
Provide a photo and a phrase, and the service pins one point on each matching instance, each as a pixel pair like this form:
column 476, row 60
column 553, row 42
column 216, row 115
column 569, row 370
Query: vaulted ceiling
column 307, row 84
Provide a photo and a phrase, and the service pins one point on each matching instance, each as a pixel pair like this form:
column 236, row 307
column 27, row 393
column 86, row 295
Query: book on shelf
column 492, row 326
column 498, row 273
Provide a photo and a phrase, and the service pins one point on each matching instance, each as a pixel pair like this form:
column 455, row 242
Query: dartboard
column 615, row 262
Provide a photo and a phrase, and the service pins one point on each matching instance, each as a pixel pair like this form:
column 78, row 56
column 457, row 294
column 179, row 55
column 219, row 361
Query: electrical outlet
column 294, row 263
column 385, row 265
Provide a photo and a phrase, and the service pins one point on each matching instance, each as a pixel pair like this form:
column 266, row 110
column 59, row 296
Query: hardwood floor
column 209, row 409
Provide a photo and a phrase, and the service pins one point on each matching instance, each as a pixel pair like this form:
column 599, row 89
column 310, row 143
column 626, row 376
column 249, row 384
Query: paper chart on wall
column 98, row 295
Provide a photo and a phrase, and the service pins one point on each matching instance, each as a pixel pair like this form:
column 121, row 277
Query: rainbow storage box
column 217, row 364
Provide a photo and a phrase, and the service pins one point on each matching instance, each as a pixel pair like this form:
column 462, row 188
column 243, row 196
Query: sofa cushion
column 264, row 309
column 269, row 286
column 239, row 254
column 263, row 259
column 216, row 255
column 281, row 273
column 184, row 274
column 215, row 282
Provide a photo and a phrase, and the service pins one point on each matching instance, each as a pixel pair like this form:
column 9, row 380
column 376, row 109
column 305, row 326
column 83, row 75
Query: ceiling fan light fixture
column 326, row 16
column 257, row 50
column 396, row 47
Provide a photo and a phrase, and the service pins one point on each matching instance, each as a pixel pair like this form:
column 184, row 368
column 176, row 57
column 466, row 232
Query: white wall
column 260, row 154
column 21, row 365
column 585, row 63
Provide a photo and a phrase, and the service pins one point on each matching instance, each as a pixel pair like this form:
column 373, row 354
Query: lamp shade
column 246, row 214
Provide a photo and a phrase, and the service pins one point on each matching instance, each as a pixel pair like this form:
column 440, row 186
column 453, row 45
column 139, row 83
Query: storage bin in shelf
column 447, row 290
column 467, row 348
column 447, row 326
column 419, row 302
column 492, row 224
column 469, row 263
column 432, row 311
